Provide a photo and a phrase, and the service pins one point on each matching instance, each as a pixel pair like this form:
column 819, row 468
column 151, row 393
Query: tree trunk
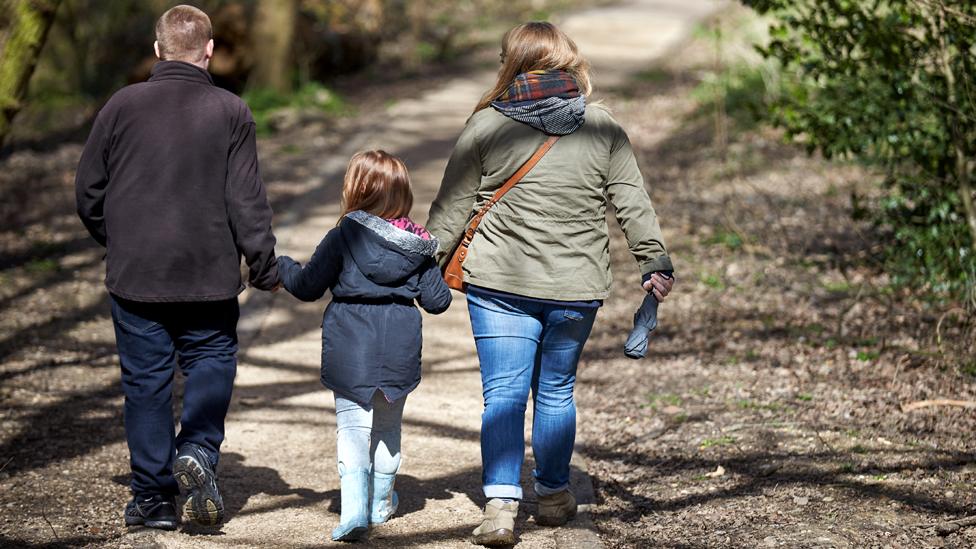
column 24, row 25
column 274, row 28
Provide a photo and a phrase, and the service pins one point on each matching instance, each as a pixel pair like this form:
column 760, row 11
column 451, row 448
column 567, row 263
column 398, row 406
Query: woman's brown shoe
column 556, row 509
column 497, row 524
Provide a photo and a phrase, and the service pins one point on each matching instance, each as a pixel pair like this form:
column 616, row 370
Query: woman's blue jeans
column 527, row 345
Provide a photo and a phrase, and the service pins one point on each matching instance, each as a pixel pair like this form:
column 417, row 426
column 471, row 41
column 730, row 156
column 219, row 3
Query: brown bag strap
column 509, row 183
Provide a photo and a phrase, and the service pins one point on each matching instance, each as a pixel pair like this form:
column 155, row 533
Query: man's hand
column 659, row 285
column 277, row 287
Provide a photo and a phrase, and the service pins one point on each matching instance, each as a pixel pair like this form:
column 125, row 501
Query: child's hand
column 660, row 285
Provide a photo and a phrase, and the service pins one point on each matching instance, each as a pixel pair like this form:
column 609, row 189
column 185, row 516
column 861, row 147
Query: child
column 376, row 262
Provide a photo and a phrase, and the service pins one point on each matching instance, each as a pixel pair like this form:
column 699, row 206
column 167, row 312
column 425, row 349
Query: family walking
column 169, row 184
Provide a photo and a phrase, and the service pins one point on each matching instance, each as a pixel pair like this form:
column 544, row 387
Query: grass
column 746, row 404
column 867, row 356
column 43, row 248
column 723, row 440
column 712, row 281
column 730, row 239
column 744, row 92
column 805, row 397
column 815, row 329
column 42, row 266
column 837, row 286
column 541, row 15
column 427, row 52
column 667, row 399
column 49, row 111
column 264, row 103
column 654, row 75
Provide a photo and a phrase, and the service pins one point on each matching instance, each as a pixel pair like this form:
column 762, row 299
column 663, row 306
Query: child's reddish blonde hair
column 377, row 182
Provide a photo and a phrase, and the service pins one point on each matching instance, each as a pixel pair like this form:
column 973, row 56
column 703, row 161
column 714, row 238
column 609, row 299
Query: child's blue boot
column 384, row 501
column 354, row 514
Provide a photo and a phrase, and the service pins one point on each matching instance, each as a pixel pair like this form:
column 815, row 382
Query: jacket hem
column 172, row 298
column 367, row 404
column 538, row 293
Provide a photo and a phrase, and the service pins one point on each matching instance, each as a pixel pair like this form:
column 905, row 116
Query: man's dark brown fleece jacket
column 169, row 184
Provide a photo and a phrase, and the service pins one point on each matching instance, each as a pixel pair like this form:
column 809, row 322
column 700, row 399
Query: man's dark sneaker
column 198, row 482
column 152, row 512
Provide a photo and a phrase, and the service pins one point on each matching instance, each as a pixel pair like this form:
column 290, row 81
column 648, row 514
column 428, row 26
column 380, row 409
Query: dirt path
column 278, row 465
column 767, row 414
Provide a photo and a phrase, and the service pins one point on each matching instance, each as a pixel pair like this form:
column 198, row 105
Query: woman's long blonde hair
column 537, row 45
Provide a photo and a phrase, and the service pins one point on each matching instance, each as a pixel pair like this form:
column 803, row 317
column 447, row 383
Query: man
column 168, row 183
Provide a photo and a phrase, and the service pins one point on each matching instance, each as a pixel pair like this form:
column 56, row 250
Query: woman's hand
column 660, row 285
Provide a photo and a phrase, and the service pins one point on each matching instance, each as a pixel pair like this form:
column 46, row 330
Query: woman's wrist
column 647, row 276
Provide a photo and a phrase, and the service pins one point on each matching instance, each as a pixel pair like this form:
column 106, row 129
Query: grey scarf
column 552, row 115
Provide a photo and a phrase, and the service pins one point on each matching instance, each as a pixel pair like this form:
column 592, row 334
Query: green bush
column 889, row 83
column 743, row 90
column 310, row 97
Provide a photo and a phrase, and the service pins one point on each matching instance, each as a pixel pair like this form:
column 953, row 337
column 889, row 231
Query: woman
column 539, row 266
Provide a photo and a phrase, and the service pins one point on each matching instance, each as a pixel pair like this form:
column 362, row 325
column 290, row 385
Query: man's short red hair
column 182, row 33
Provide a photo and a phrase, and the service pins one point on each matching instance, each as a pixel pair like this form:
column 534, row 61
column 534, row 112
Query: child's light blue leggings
column 368, row 437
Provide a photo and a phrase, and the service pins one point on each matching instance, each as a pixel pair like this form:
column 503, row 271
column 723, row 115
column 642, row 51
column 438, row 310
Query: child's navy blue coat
column 371, row 332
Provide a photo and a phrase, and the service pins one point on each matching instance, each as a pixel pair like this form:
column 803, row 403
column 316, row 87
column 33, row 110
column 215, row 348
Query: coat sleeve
column 633, row 208
column 435, row 297
column 451, row 209
column 310, row 282
column 91, row 180
column 248, row 208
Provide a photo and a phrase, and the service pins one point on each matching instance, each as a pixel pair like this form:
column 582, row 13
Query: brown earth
column 769, row 410
column 768, row 413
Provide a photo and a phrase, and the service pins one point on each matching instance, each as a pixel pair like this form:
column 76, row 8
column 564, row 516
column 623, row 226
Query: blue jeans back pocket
column 130, row 321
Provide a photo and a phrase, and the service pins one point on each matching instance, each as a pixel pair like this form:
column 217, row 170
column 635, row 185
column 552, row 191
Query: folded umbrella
column 645, row 320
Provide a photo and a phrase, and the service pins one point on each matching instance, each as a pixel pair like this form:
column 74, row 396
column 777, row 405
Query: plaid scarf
column 536, row 85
